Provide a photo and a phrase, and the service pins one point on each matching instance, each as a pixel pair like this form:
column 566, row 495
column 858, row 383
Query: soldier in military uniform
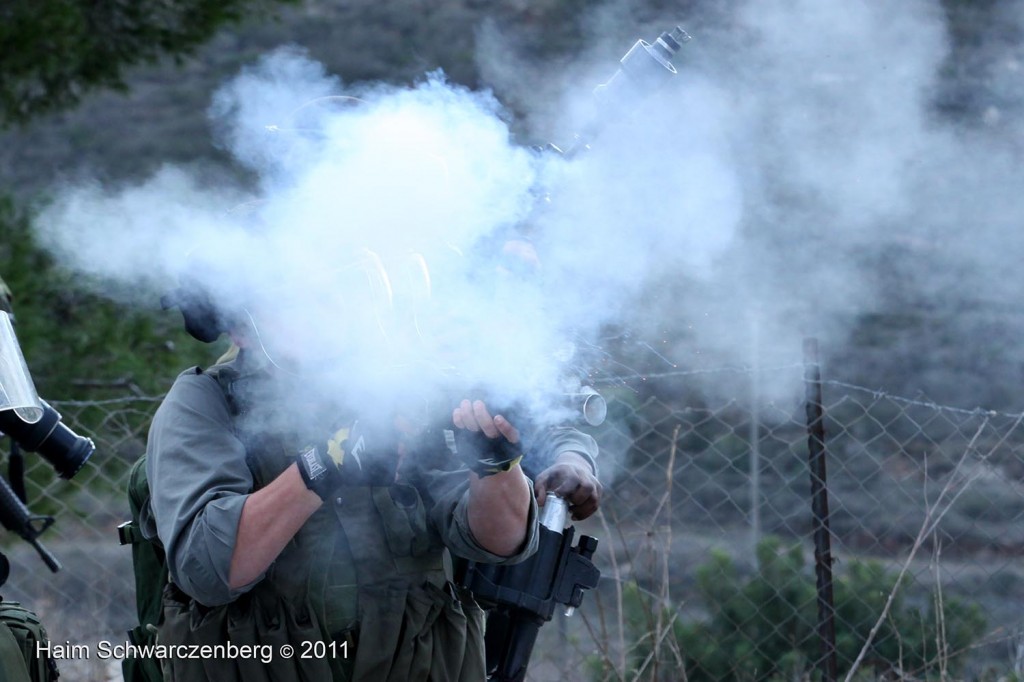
column 17, row 664
column 293, row 536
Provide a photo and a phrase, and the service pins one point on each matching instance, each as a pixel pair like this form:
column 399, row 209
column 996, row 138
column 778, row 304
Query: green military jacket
column 360, row 593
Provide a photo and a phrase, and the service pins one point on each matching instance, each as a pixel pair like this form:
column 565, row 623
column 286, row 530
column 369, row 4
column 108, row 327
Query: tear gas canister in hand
column 522, row 597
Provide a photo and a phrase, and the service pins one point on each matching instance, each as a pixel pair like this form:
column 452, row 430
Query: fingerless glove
column 483, row 455
column 320, row 465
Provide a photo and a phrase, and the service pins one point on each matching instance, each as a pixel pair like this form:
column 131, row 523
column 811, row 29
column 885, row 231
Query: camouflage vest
column 363, row 579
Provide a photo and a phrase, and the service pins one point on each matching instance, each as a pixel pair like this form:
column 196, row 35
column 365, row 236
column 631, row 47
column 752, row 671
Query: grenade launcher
column 522, row 597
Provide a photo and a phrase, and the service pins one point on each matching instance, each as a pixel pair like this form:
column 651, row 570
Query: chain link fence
column 710, row 569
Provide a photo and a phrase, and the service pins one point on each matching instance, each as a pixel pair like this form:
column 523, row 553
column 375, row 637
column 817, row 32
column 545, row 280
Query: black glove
column 483, row 455
column 361, row 454
column 321, row 465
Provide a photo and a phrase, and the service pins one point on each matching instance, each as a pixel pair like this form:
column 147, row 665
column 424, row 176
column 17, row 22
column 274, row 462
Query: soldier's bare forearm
column 499, row 508
column 270, row 518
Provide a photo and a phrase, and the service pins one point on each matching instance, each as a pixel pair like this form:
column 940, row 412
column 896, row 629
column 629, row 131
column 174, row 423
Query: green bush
column 82, row 346
column 79, row 344
column 763, row 626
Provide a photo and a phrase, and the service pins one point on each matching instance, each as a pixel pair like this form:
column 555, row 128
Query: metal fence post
column 755, row 438
column 819, row 509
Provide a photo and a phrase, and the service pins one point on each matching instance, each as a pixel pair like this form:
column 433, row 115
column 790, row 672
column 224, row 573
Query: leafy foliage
column 762, row 627
column 80, row 345
column 75, row 341
column 57, row 50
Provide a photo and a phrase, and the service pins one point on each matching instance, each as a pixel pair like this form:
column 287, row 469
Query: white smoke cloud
column 746, row 197
column 373, row 242
column 830, row 122
column 797, row 140
column 800, row 173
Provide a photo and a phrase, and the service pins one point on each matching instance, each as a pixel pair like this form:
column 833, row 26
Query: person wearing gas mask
column 294, row 524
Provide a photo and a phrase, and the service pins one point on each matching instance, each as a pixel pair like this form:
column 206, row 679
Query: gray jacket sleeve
column 544, row 448
column 448, row 514
column 199, row 480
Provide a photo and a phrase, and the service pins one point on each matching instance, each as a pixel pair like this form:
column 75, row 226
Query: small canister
column 554, row 513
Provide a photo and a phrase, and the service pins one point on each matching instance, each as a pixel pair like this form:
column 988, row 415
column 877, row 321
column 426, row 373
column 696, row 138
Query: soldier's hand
column 572, row 479
column 321, row 464
column 487, row 445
